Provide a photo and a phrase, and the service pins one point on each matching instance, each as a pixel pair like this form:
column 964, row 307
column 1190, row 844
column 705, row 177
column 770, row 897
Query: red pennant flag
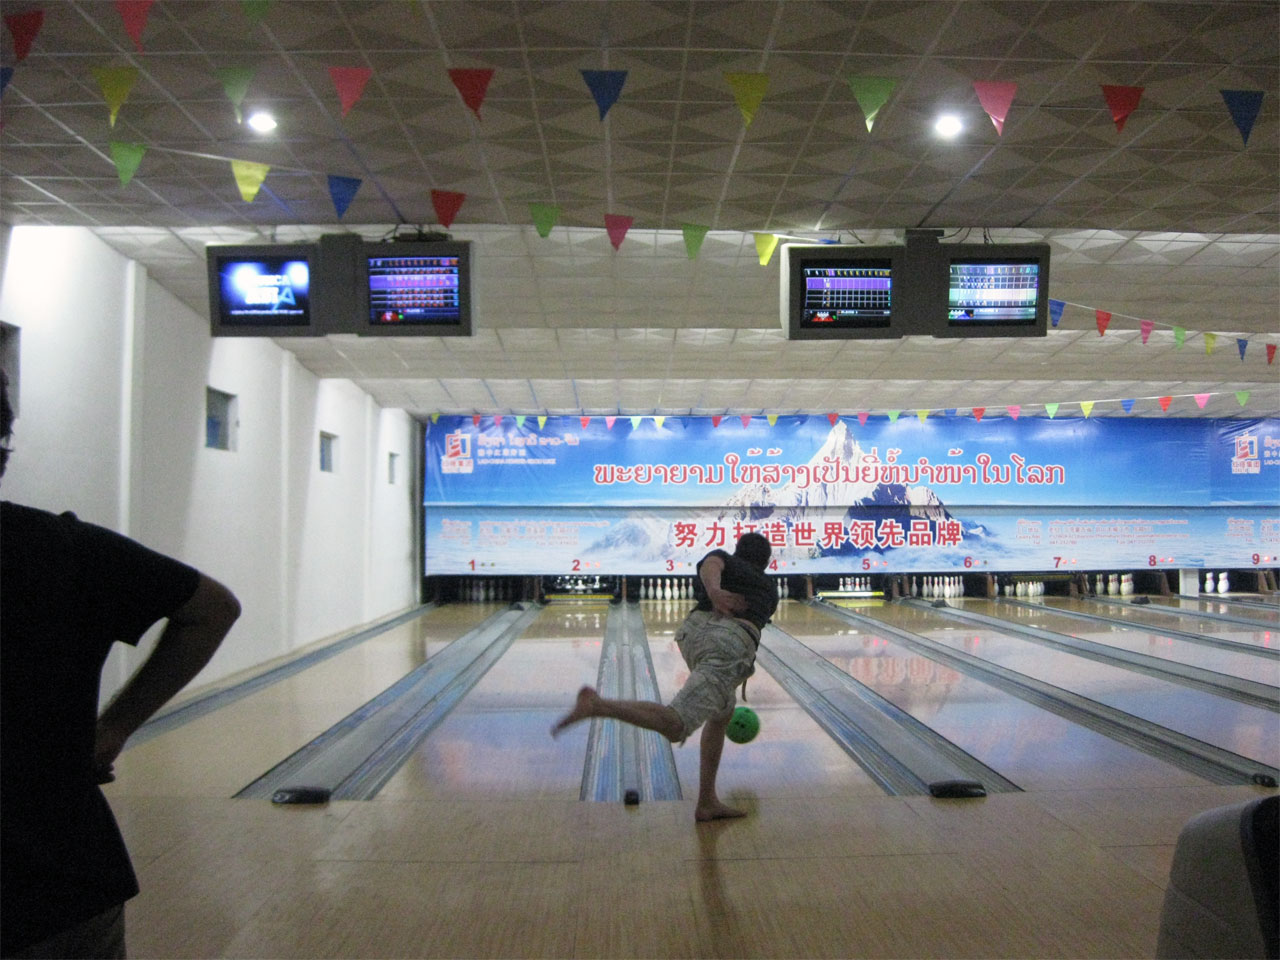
column 617, row 226
column 475, row 421
column 996, row 99
column 862, row 419
column 1147, row 326
column 1014, row 411
column 715, row 421
column 746, row 420
column 349, row 82
column 24, row 27
column 1271, row 353
column 472, row 85
column 584, row 421
column 1164, row 403
column 447, row 204
column 497, row 420
column 832, row 418
column 1103, row 319
column 978, row 412
column 134, row 14
column 1122, row 101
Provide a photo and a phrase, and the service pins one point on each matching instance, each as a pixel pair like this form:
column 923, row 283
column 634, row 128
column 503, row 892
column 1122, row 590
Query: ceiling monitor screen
column 833, row 291
column 261, row 290
column 418, row 287
column 1003, row 290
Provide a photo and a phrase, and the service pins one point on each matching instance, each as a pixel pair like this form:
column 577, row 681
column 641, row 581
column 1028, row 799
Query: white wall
column 112, row 425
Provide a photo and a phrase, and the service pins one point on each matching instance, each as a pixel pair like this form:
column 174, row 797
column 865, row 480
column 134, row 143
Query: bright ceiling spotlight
column 262, row 122
column 948, row 125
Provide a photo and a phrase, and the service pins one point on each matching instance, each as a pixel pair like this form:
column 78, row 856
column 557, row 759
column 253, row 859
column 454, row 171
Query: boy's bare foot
column 583, row 708
column 716, row 811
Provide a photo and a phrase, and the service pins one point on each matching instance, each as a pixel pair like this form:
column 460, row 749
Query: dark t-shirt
column 68, row 590
column 742, row 578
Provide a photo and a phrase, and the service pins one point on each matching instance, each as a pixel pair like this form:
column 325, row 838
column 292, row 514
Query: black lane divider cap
column 301, row 795
column 952, row 789
column 631, row 798
column 1264, row 779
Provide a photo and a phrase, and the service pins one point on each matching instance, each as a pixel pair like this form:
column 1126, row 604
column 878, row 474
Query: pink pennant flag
column 1014, row 411
column 584, row 421
column 350, row 83
column 715, row 421
column 1201, row 400
column 832, row 418
column 24, row 27
column 134, row 14
column 447, row 204
column 978, row 412
column 609, row 422
column 497, row 419
column 617, row 226
column 1146, row 326
column 996, row 99
column 1122, row 101
column 1103, row 319
column 746, row 420
column 472, row 86
column 1164, row 403
column 862, row 419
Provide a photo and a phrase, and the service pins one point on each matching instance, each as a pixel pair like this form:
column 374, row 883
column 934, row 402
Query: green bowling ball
column 743, row 725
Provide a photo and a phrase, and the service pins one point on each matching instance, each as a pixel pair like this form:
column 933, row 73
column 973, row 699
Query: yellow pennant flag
column 116, row 84
column 923, row 415
column 658, row 421
column 542, row 422
column 249, row 177
column 1086, row 407
column 766, row 243
column 748, row 91
column 1210, row 339
column 435, row 417
column 773, row 419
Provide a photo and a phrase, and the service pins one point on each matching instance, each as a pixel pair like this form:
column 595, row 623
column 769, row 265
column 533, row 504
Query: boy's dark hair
column 754, row 548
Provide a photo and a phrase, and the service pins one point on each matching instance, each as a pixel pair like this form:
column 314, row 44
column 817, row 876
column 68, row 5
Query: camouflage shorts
column 721, row 654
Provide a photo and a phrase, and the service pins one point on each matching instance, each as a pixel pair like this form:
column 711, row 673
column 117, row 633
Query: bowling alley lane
column 1034, row 748
column 496, row 743
column 1188, row 618
column 1263, row 613
column 1137, row 636
column 217, row 754
column 1249, row 731
column 791, row 756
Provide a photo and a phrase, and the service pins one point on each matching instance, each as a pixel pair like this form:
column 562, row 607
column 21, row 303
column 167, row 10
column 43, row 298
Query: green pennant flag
column 635, row 422
column 544, row 216
column 1051, row 409
column 519, row 420
column 748, row 91
column 255, row 10
column 1242, row 397
column 871, row 94
column 766, row 243
column 694, row 234
column 893, row 416
column 126, row 157
column 116, row 83
column 1179, row 337
column 235, row 84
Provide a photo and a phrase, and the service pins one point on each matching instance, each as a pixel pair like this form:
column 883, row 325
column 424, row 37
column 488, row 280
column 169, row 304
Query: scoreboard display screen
column 414, row 289
column 848, row 294
column 994, row 292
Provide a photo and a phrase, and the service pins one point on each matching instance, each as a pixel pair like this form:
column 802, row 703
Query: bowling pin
column 1208, row 582
column 1223, row 583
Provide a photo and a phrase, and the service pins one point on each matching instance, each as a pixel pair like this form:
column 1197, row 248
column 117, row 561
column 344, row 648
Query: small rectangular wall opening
column 328, row 452
column 221, row 419
column 393, row 466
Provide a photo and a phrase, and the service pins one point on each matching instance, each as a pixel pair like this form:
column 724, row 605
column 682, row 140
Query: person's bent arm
column 188, row 642
column 724, row 602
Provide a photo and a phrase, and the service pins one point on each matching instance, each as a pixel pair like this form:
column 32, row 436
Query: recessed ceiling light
column 948, row 125
column 262, row 121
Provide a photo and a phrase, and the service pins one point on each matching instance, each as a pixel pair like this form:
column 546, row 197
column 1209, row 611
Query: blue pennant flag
column 1242, row 345
column 1128, row 405
column 1244, row 106
column 605, row 86
column 1055, row 311
column 6, row 74
column 343, row 190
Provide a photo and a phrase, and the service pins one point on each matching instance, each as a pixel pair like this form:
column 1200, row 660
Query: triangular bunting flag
column 249, row 177
column 1242, row 345
column 446, row 204
column 766, row 243
column 1164, row 403
column 871, row 94
column 350, row 83
column 1201, row 400
column 1122, row 101
column 862, row 419
column 1055, row 311
column 1271, row 353
column 832, row 418
column 435, row 417
column 609, row 422
column 1210, row 341
column 544, row 217
column 996, row 99
column 520, row 418
column 134, row 14
column 1128, row 405
column 715, row 421
column 1014, row 411
column 694, row 234
column 1146, row 326
column 1086, row 407
column 116, row 83
column 542, row 422
column 773, row 419
column 235, row 84
column 605, row 86
column 617, row 226
column 635, row 422
column 1051, row 409
column 472, row 85
column 6, row 74
column 746, row 420
column 497, row 419
column 342, row 190
column 584, row 421
column 23, row 27
column 923, row 415
column 126, row 157
column 255, row 10
column 893, row 415
column 659, row 421
column 748, row 91
column 1103, row 319
column 475, row 420
column 1242, row 397
column 1179, row 337
column 1244, row 106
column 978, row 412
